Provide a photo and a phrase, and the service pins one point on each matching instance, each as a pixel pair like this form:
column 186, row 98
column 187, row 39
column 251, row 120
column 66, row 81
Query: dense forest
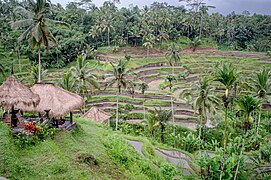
column 91, row 27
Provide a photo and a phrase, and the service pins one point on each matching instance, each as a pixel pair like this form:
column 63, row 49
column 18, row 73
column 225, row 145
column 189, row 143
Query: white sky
column 222, row 6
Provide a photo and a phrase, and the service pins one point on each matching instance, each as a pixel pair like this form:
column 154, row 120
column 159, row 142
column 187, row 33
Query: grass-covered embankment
column 88, row 152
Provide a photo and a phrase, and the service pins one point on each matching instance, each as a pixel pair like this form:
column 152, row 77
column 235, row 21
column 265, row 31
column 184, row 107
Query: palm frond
column 21, row 23
column 54, row 22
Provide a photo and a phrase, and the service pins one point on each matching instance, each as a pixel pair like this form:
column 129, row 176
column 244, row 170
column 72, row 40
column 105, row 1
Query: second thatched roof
column 14, row 93
column 58, row 100
column 97, row 115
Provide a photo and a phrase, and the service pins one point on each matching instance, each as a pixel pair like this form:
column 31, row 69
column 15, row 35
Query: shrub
column 33, row 134
column 168, row 171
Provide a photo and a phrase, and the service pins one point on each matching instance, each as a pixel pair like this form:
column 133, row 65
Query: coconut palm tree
column 2, row 68
column 227, row 76
column 131, row 87
column 173, row 55
column 169, row 81
column 36, row 22
column 83, row 76
column 246, row 105
column 67, row 81
column 149, row 41
column 261, row 85
column 143, row 87
column 119, row 72
column 34, row 71
column 150, row 123
column 94, row 32
column 203, row 99
column 195, row 43
column 161, row 118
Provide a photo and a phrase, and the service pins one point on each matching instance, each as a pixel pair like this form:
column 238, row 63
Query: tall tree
column 67, row 81
column 173, row 55
column 227, row 76
column 169, row 81
column 161, row 118
column 143, row 87
column 203, row 99
column 246, row 105
column 36, row 22
column 261, row 85
column 85, row 80
column 119, row 72
column 149, row 41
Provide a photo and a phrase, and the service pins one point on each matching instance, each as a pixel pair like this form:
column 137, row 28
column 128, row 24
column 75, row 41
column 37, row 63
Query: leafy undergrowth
column 88, row 152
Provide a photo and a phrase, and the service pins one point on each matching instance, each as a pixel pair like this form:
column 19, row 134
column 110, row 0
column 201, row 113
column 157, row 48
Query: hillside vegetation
column 88, row 152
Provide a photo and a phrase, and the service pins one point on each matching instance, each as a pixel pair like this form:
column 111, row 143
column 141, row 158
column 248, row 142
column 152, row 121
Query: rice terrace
column 155, row 92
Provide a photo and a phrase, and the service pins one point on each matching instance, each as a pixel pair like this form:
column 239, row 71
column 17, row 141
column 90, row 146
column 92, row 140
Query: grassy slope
column 66, row 157
column 59, row 158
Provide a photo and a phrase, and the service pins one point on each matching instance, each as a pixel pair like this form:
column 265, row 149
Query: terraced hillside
column 154, row 70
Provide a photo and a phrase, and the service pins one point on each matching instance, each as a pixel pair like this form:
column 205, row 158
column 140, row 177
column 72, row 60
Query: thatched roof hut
column 97, row 115
column 14, row 94
column 59, row 101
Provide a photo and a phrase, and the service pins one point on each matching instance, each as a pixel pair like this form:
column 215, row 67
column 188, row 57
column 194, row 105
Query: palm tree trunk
column 57, row 58
column 226, row 123
column 117, row 110
column 108, row 37
column 19, row 59
column 259, row 121
column 39, row 76
column 200, row 129
column 144, row 109
column 172, row 110
column 172, row 105
column 238, row 164
column 162, row 133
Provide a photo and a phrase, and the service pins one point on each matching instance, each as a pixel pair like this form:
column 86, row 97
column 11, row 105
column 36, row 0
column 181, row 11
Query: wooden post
column 71, row 117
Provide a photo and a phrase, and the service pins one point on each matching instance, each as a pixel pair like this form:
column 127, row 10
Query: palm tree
column 83, row 76
column 119, row 71
column 173, row 55
column 151, row 124
column 246, row 105
column 94, row 32
column 149, row 41
column 262, row 86
column 131, row 87
column 161, row 118
column 34, row 71
column 35, row 21
column 67, row 81
column 227, row 76
column 195, row 43
column 169, row 80
column 203, row 99
column 108, row 27
column 143, row 87
column 2, row 68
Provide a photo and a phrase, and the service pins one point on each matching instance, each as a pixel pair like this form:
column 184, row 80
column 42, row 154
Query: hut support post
column 71, row 117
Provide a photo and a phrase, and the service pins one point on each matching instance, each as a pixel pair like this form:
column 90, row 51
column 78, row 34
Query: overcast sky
column 222, row 6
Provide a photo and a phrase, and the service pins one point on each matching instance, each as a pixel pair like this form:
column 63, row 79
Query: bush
column 33, row 134
column 124, row 154
column 168, row 171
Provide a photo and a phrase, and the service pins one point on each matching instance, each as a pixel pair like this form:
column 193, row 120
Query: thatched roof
column 97, row 115
column 58, row 100
column 14, row 93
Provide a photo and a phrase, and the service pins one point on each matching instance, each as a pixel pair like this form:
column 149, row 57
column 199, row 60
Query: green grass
column 89, row 152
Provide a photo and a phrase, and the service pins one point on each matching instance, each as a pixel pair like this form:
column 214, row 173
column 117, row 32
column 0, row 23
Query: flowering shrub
column 33, row 134
column 31, row 127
